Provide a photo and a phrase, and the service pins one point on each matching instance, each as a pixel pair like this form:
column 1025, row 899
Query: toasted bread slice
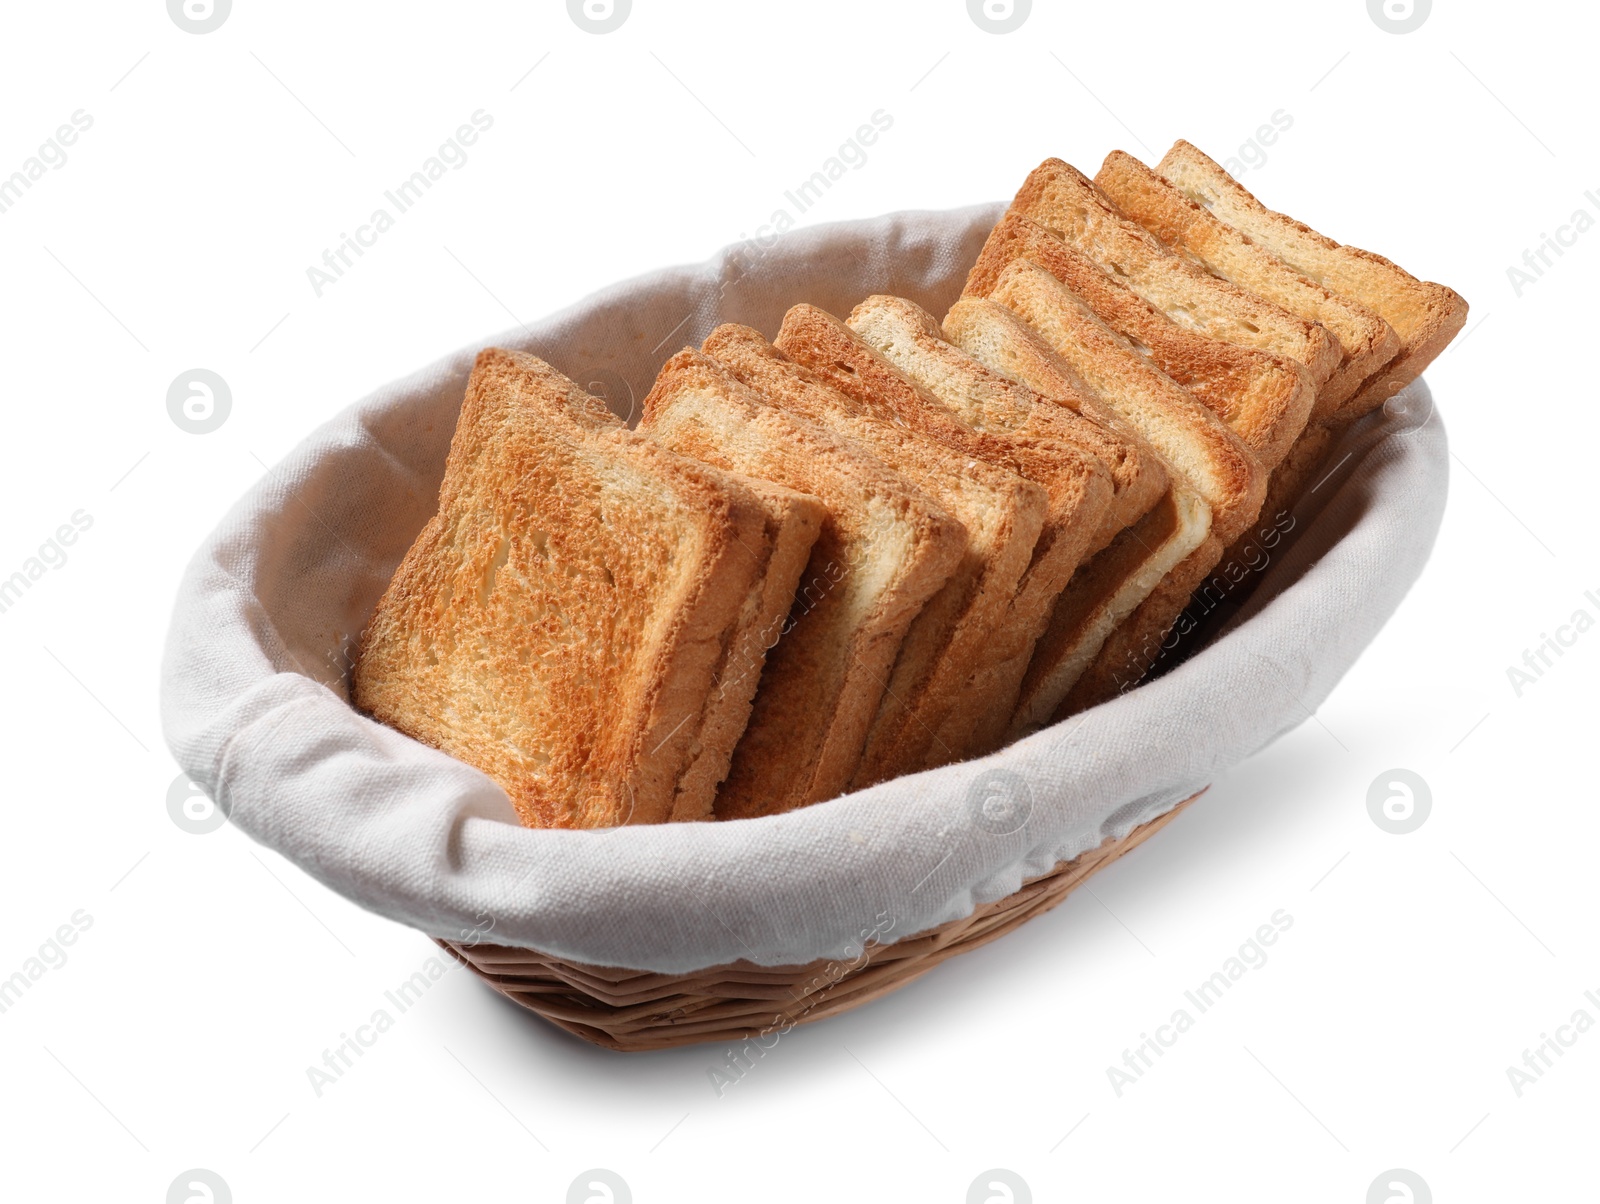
column 1078, row 489
column 1261, row 395
column 910, row 338
column 1130, row 651
column 883, row 551
column 557, row 623
column 1004, row 344
column 1102, row 598
column 1424, row 315
column 794, row 522
column 1238, row 570
column 1104, row 592
column 1067, row 203
column 1004, row 516
column 1366, row 341
column 1193, row 441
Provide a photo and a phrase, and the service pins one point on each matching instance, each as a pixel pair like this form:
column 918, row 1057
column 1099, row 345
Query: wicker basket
column 633, row 1010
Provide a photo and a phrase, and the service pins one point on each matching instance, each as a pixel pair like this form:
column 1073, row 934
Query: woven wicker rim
column 635, row 1010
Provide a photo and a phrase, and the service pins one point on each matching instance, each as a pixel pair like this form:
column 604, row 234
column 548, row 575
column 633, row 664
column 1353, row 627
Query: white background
column 178, row 234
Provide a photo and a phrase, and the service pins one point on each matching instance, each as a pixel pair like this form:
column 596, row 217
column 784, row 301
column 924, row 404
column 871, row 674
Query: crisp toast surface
column 911, row 339
column 1133, row 648
column 558, row 622
column 1102, row 597
column 1077, row 488
column 1194, row 442
column 1066, row 202
column 883, row 549
column 794, row 521
column 1425, row 316
column 1266, row 397
column 1004, row 515
column 998, row 339
column 1366, row 341
column 1112, row 585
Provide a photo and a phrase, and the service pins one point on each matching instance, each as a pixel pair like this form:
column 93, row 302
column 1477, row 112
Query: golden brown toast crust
column 1138, row 474
column 1198, row 447
column 990, row 403
column 1051, row 451
column 1112, row 585
column 883, row 550
column 1366, row 341
column 794, row 520
column 1286, row 485
column 1426, row 316
column 1194, row 442
column 1065, row 201
column 1136, row 644
column 1104, row 595
column 1078, row 488
column 1006, row 513
column 548, row 526
column 1265, row 397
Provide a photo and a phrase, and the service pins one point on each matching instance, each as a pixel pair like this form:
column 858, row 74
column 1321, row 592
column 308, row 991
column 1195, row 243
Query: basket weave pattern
column 634, row 1010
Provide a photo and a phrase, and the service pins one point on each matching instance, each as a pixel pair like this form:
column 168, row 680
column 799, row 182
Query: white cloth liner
column 254, row 697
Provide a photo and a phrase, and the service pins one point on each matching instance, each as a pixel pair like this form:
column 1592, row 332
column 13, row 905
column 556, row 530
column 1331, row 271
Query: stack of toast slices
column 871, row 546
